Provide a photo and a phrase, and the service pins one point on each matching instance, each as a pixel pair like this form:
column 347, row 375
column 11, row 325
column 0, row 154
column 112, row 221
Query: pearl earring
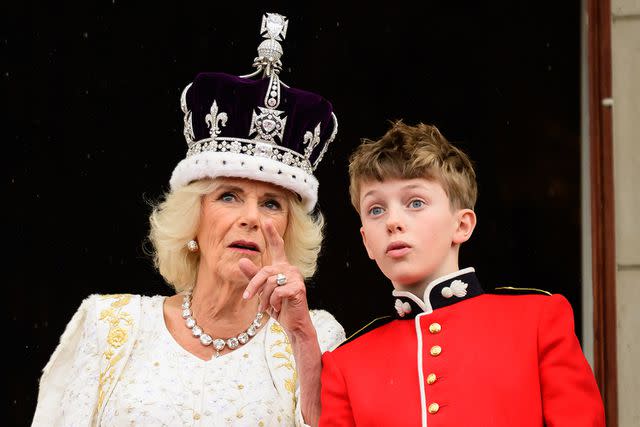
column 192, row 245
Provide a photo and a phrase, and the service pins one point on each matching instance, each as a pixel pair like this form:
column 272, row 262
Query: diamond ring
column 281, row 279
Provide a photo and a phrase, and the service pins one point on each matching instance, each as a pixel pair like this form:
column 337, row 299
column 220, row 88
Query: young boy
column 453, row 355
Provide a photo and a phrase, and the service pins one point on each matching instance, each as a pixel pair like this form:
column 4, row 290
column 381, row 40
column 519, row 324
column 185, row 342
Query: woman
column 235, row 237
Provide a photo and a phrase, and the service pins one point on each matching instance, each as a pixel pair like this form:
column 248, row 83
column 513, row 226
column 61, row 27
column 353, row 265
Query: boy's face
column 410, row 230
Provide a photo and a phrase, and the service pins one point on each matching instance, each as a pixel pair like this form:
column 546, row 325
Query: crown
column 258, row 128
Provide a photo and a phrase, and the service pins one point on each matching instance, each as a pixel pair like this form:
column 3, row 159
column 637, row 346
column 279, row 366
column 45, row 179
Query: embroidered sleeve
column 330, row 335
column 69, row 383
column 330, row 332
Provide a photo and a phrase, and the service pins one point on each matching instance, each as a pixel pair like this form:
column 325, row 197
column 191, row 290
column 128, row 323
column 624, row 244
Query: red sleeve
column 336, row 407
column 570, row 395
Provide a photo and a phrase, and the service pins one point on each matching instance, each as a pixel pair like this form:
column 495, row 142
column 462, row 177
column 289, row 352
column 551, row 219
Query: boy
column 453, row 355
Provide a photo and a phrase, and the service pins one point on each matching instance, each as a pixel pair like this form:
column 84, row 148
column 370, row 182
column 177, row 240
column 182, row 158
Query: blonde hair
column 407, row 152
column 175, row 220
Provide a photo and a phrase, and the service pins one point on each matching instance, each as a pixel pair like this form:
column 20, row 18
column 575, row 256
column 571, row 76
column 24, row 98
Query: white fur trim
column 214, row 164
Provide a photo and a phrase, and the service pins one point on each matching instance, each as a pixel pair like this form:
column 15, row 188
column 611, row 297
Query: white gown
column 94, row 379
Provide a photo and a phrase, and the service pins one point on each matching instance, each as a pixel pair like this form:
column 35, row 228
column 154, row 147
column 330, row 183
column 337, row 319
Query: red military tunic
column 464, row 358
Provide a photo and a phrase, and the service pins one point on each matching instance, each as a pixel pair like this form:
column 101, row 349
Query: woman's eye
column 375, row 211
column 416, row 203
column 272, row 204
column 228, row 197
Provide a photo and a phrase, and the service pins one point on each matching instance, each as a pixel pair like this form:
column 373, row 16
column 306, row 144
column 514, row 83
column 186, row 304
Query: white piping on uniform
column 439, row 280
column 423, row 397
column 411, row 296
column 425, row 304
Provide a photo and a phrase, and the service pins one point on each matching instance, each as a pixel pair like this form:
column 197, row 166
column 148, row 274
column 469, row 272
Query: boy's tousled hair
column 407, row 152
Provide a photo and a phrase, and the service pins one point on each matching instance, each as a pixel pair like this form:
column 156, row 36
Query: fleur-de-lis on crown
column 213, row 118
column 311, row 140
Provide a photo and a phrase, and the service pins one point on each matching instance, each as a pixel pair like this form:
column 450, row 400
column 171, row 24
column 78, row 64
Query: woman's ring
column 281, row 279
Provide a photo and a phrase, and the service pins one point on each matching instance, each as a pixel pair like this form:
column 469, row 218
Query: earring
column 192, row 245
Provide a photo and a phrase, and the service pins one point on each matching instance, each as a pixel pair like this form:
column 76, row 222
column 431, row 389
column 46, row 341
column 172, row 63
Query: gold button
column 433, row 408
column 436, row 350
column 196, row 416
column 434, row 328
column 431, row 378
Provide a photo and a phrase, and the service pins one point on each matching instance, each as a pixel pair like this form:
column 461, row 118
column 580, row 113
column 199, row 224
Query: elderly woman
column 236, row 238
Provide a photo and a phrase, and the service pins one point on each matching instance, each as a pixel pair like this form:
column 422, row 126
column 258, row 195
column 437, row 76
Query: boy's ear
column 466, row 225
column 364, row 240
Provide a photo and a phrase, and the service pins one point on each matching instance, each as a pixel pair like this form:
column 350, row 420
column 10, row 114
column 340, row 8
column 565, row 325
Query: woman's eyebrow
column 229, row 187
column 274, row 195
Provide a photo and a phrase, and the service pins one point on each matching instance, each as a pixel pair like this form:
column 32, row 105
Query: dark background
column 92, row 125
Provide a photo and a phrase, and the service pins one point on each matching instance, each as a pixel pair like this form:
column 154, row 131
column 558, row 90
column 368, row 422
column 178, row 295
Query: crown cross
column 274, row 26
column 268, row 125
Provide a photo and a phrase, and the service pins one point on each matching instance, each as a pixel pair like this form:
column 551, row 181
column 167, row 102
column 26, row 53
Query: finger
column 248, row 267
column 267, row 290
column 258, row 281
column 275, row 243
column 280, row 294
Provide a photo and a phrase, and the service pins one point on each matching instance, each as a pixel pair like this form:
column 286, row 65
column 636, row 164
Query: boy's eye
column 227, row 197
column 375, row 211
column 272, row 204
column 416, row 203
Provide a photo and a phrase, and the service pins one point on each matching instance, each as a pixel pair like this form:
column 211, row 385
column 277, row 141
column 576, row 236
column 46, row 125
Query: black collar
column 444, row 291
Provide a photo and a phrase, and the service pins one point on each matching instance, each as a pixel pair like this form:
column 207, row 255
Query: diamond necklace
column 218, row 343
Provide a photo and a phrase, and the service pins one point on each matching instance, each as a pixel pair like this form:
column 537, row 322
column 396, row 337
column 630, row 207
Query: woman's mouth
column 245, row 246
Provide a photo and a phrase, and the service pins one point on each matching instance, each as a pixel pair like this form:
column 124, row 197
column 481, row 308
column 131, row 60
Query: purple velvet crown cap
column 238, row 97
column 258, row 129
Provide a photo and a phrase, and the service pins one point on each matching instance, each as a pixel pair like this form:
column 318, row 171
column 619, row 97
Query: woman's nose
column 250, row 216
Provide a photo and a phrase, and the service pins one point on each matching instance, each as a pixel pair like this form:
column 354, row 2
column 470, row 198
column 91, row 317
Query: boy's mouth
column 397, row 249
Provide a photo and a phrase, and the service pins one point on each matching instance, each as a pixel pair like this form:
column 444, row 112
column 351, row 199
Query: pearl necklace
column 218, row 343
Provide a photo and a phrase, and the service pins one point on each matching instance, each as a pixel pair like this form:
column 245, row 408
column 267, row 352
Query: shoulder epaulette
column 375, row 323
column 510, row 290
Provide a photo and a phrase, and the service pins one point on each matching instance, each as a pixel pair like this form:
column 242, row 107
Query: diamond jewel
column 268, row 125
column 219, row 343
column 205, row 339
column 233, row 343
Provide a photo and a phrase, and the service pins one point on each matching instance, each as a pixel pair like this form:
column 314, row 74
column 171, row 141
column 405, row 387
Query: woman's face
column 232, row 223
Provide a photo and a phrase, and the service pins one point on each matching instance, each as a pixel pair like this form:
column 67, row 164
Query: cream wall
column 625, row 41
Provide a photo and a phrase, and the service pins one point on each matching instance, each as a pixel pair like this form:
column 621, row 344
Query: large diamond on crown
column 268, row 125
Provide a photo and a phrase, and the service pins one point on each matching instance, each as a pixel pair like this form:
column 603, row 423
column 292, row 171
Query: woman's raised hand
column 287, row 302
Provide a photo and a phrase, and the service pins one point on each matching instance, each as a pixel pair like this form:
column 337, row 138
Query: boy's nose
column 394, row 225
